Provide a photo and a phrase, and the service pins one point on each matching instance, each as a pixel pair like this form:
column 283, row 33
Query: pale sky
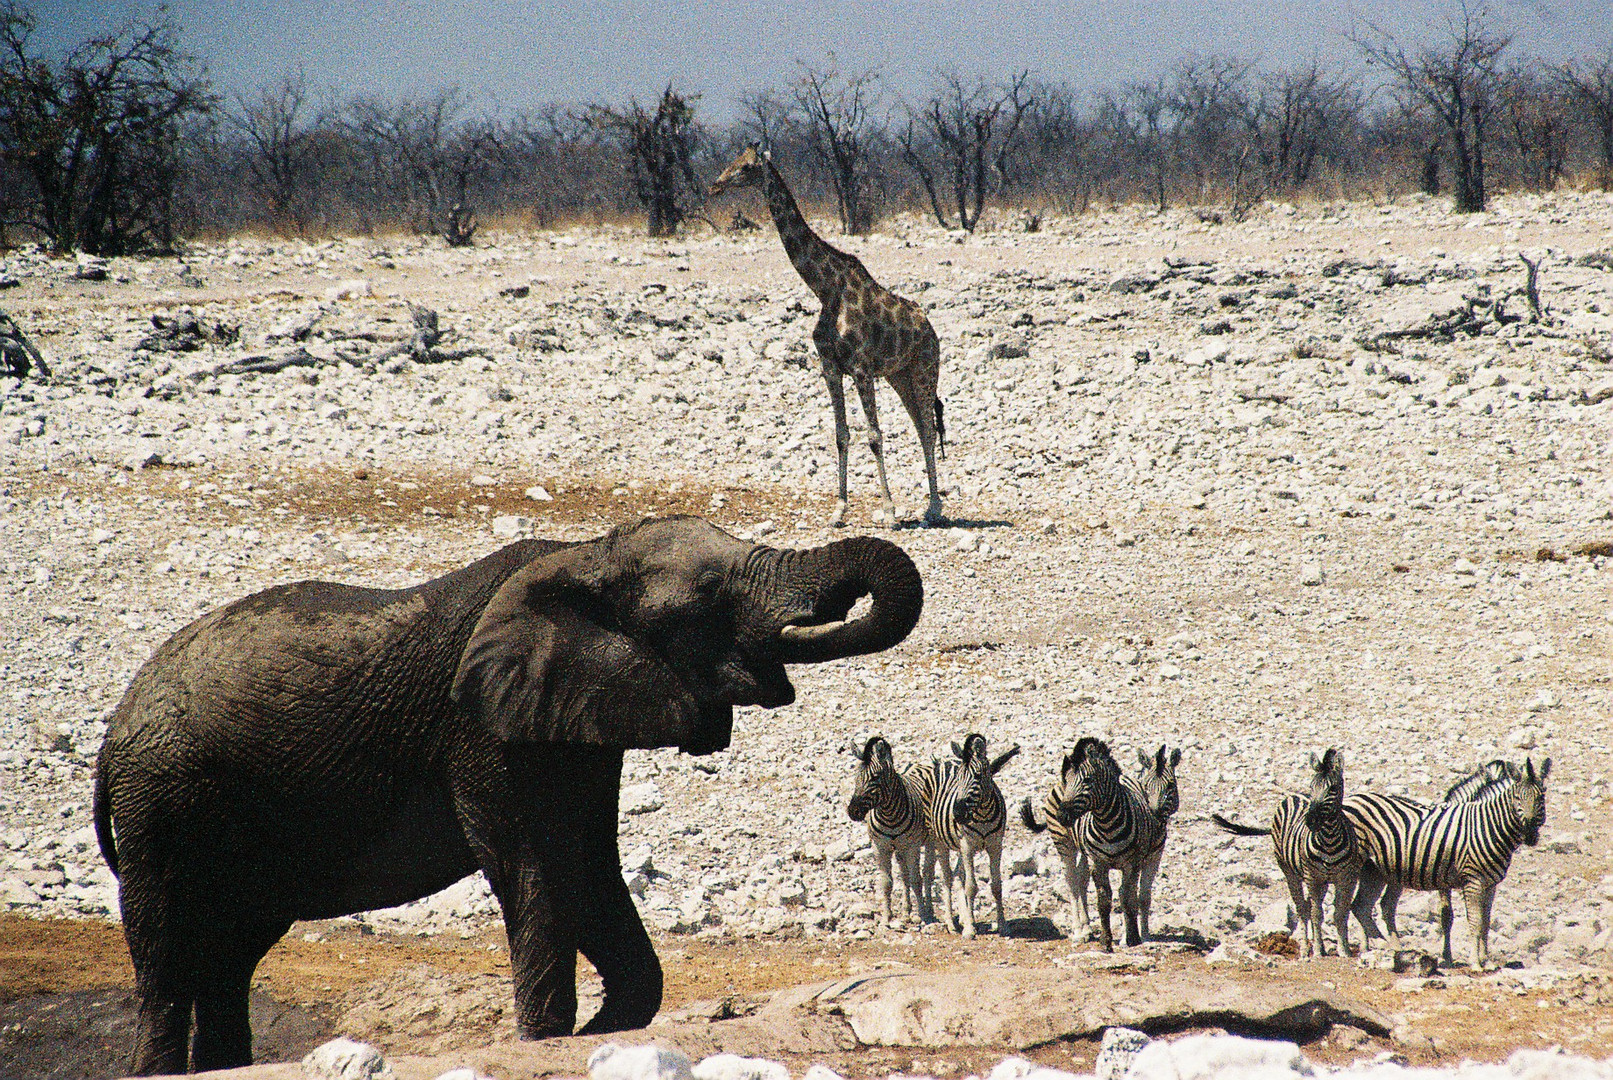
column 511, row 55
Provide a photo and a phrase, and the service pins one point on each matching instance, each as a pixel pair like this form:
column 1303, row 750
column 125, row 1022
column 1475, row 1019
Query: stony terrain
column 1322, row 478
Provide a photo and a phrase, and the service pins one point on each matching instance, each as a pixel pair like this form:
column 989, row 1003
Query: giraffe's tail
column 940, row 428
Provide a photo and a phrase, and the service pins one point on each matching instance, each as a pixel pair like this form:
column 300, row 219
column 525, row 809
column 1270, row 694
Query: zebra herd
column 1369, row 847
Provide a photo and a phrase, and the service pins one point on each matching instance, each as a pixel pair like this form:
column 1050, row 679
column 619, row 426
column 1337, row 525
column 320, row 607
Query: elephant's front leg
column 586, row 865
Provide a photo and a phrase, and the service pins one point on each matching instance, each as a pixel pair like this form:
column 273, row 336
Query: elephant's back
column 268, row 673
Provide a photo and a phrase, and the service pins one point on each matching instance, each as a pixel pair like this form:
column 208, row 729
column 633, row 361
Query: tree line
column 125, row 144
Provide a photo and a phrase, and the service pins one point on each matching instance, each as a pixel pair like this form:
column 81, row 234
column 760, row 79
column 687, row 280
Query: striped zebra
column 1466, row 844
column 1155, row 783
column 1478, row 782
column 1316, row 847
column 1112, row 826
column 886, row 800
column 964, row 812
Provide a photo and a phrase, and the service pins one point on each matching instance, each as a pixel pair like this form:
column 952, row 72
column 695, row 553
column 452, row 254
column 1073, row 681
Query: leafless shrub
column 963, row 134
column 836, row 109
column 659, row 148
column 97, row 138
column 1458, row 82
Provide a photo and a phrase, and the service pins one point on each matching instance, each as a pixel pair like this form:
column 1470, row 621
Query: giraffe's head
column 744, row 171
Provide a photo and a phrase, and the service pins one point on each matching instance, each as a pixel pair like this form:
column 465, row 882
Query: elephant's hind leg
column 224, row 983
column 162, row 1029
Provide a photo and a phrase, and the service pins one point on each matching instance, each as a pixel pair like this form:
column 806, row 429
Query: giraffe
column 864, row 330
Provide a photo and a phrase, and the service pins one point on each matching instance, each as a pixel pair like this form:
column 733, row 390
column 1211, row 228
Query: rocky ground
column 1321, row 478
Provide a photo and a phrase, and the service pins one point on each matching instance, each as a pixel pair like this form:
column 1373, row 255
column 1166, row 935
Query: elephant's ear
column 548, row 662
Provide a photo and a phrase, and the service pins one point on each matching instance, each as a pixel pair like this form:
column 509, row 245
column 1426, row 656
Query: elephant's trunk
column 834, row 577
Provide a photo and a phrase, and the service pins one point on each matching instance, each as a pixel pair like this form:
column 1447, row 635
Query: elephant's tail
column 103, row 821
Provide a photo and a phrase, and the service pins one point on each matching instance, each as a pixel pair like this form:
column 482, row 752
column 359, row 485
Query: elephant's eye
column 709, row 584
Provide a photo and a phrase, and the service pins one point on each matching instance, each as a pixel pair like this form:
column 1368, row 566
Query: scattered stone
column 344, row 1059
column 614, row 1062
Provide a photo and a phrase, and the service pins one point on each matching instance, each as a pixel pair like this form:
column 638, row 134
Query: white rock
column 820, row 1072
column 1311, row 574
column 1218, row 1057
column 1120, row 1048
column 351, row 289
column 734, row 1067
column 508, row 526
column 344, row 1059
column 539, row 493
column 641, row 798
column 615, row 1062
column 466, row 1073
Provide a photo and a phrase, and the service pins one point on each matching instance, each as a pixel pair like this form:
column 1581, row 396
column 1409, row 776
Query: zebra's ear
column 882, row 751
column 1004, row 758
column 1330, row 760
column 1143, row 759
column 1176, row 756
column 1532, row 775
column 957, row 751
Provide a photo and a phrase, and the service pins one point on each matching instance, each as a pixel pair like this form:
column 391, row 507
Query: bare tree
column 98, row 137
column 1054, row 151
column 422, row 154
column 1207, row 95
column 837, row 111
column 1536, row 114
column 659, row 147
column 956, row 132
column 1590, row 81
column 1295, row 117
column 285, row 131
column 1457, row 81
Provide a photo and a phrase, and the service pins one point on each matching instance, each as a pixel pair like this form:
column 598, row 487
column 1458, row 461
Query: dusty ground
column 1199, row 498
column 80, row 968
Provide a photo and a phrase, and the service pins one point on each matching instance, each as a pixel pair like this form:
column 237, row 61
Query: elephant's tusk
column 796, row 633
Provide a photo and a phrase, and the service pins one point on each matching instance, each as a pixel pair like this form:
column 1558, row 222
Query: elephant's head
column 650, row 635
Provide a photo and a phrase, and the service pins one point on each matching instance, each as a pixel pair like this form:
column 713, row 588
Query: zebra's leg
column 1302, row 907
column 908, row 859
column 883, row 855
column 946, row 884
column 1343, row 894
column 1447, row 917
column 1391, row 901
column 971, row 883
column 1367, row 890
column 1316, row 895
column 1145, row 896
column 1100, row 885
column 994, row 855
column 1080, row 876
column 1128, row 903
column 1479, row 896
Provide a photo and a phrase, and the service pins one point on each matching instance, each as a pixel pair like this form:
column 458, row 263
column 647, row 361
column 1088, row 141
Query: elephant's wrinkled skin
column 318, row 749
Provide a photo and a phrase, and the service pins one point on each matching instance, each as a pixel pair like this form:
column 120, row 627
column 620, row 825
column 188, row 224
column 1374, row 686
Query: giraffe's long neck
column 813, row 259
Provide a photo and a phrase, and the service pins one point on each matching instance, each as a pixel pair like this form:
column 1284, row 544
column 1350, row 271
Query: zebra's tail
column 940, row 429
column 1236, row 829
column 1028, row 816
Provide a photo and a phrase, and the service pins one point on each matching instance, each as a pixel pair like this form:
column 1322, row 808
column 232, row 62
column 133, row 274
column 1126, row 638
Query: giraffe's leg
column 918, row 397
column 876, row 440
column 837, row 399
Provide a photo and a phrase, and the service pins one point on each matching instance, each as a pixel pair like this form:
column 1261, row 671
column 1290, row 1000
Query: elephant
column 319, row 749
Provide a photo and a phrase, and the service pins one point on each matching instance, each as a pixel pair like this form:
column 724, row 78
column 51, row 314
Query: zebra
column 1481, row 780
column 964, row 812
column 1316, row 847
column 1113, row 827
column 1467, row 843
column 886, row 799
column 1155, row 783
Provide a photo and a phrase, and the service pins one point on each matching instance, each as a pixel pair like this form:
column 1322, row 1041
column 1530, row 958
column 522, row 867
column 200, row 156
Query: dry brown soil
column 45, row 965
